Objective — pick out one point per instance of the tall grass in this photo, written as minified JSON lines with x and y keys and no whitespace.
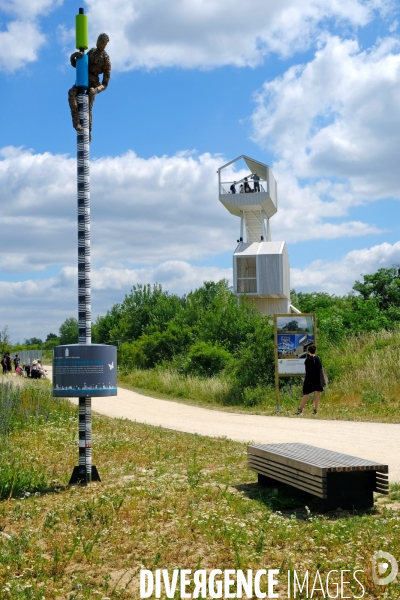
{"x":365,"y":363}
{"x":20,"y":406}
{"x":207,"y":390}
{"x":26,"y":409}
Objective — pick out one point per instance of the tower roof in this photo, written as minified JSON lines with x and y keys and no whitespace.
{"x":255,"y":166}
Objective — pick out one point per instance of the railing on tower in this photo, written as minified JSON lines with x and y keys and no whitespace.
{"x":225,"y":187}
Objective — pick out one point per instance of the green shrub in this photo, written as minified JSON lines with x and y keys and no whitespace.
{"x":155,"y":348}
{"x":253,"y":396}
{"x":255,"y":361}
{"x":207,"y":359}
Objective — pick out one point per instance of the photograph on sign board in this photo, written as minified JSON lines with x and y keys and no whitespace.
{"x":294,"y":345}
{"x":286,"y":343}
{"x":295,"y":324}
{"x":303,"y":342}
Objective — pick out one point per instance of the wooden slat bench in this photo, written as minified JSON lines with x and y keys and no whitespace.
{"x":339,"y":480}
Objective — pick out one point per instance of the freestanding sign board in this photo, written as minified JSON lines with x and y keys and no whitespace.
{"x":294,"y":333}
{"x":83,"y":370}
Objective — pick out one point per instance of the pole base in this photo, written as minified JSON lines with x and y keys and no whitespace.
{"x":79,"y":476}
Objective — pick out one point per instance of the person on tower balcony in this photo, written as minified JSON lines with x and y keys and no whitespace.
{"x":233,"y":188}
{"x":247,"y":188}
{"x":256,"y":180}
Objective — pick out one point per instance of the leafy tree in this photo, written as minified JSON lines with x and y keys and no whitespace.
{"x":366,"y":315}
{"x":147,"y":308}
{"x":331,"y":314}
{"x":5,"y":341}
{"x":292,"y":326}
{"x":154,"y":348}
{"x":104,"y":326}
{"x":384,"y":285}
{"x":51,"y":344}
{"x":52,"y":340}
{"x":33,"y":341}
{"x":215,"y":312}
{"x":69,"y":331}
{"x":51,"y":336}
{"x":255,"y":361}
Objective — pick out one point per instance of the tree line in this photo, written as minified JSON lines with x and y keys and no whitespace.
{"x":207,"y":331}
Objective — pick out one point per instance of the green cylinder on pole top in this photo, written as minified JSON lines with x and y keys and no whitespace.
{"x":82,"y":30}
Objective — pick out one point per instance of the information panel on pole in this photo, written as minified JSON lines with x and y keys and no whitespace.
{"x":294,"y":334}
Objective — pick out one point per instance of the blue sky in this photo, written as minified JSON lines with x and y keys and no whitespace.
{"x":310,"y":88}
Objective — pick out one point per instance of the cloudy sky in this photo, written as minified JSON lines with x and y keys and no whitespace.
{"x":311,"y":88}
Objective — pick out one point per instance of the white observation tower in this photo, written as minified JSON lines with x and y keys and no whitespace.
{"x":261,"y":269}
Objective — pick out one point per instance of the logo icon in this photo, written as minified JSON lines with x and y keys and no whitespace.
{"x":111,"y":366}
{"x":379,"y":568}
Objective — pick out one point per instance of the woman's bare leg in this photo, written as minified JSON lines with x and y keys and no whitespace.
{"x":303,"y":401}
{"x":316,"y":400}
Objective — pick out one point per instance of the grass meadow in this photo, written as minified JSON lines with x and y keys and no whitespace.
{"x":167,"y":500}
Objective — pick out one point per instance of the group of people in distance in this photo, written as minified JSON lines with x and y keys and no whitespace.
{"x":6,"y":363}
{"x":244,"y":187}
{"x":36,"y":370}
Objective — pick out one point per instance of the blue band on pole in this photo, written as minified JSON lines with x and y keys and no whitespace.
{"x":82,"y":72}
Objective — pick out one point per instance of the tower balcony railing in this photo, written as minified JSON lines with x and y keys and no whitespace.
{"x":241,"y":188}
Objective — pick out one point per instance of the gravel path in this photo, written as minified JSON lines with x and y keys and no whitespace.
{"x":375,"y":441}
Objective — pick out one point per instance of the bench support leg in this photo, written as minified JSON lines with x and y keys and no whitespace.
{"x":350,"y":490}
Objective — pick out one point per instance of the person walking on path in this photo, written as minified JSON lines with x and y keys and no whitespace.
{"x":312,"y":381}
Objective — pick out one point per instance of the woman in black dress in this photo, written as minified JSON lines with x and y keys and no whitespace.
{"x":312,"y":381}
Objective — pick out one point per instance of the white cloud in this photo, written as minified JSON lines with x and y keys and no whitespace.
{"x":21,"y":38}
{"x":14,"y":54}
{"x":332,"y":124}
{"x":142,"y":211}
{"x":29,"y":9}
{"x":338,"y":276}
{"x":38,"y":307}
{"x":303,"y":213}
{"x":205,"y":34}
{"x":337,"y":117}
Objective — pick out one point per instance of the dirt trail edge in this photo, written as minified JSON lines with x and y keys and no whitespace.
{"x":375,"y":441}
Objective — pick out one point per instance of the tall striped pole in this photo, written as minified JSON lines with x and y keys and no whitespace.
{"x":84,"y":475}
{"x":84,"y":291}
{"x":83,"y":370}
